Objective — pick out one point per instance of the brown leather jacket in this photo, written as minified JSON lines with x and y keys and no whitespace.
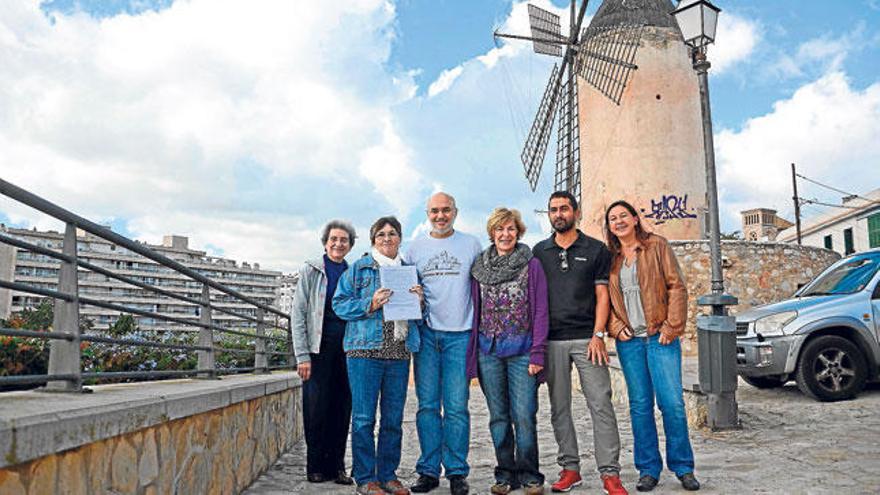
{"x":663,"y":292}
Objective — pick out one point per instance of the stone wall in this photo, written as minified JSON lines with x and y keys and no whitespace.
{"x":755,"y":272}
{"x":219,"y":451}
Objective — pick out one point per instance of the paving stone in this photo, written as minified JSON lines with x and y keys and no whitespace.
{"x":788,"y":444}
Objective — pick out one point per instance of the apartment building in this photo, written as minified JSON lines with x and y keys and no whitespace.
{"x":42,"y":271}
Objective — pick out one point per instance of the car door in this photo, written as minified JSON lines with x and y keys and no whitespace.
{"x":875,"y":306}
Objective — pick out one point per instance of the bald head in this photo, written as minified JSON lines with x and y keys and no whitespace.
{"x":441,"y":194}
{"x":441,"y":213}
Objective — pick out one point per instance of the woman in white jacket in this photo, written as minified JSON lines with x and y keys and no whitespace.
{"x":320,"y":360}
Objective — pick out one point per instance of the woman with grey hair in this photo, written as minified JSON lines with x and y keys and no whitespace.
{"x":320,"y":361}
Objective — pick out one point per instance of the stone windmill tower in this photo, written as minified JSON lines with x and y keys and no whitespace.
{"x":648,"y":149}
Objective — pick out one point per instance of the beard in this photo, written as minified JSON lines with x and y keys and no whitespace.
{"x":562,"y":225}
{"x":442,"y":231}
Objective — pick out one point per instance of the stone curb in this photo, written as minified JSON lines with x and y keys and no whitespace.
{"x":34,"y":424}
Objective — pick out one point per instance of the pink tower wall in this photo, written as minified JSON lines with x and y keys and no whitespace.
{"x":648,"y":150}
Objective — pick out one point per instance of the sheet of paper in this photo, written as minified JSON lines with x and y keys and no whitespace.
{"x":403,"y":305}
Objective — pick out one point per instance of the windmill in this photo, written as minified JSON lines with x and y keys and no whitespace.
{"x":602,"y":56}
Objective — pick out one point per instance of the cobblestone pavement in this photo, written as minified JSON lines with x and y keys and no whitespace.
{"x":788,"y":444}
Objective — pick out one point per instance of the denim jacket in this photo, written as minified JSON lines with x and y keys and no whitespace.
{"x":352,"y":303}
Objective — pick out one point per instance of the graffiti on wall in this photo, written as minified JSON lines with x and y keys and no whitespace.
{"x":669,"y":207}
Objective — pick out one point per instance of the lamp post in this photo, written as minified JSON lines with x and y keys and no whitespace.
{"x":716,"y":332}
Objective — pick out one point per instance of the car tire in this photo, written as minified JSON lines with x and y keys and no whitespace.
{"x":764,"y":381}
{"x":831,"y":368}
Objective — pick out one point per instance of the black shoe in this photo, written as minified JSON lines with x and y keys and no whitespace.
{"x":425,"y":484}
{"x":316,"y":478}
{"x":458,"y":485}
{"x":342,"y":478}
{"x":689,"y":482}
{"x":646,"y":483}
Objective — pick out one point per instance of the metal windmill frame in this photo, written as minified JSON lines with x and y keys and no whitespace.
{"x":603,"y":57}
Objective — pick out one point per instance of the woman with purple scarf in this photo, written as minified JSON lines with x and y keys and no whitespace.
{"x":506,"y":350}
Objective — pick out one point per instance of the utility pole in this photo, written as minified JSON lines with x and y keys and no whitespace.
{"x":797,"y":203}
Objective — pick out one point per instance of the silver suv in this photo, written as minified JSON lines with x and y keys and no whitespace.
{"x":825,"y":336}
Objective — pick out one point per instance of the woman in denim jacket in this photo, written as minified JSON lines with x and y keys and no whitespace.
{"x":378,"y":355}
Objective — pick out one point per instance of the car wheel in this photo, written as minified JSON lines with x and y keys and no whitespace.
{"x":764,"y":381}
{"x":831,"y":368}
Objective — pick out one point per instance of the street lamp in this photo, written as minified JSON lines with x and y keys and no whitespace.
{"x":716,"y":332}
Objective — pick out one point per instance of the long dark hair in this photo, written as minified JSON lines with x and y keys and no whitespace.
{"x":613,"y":241}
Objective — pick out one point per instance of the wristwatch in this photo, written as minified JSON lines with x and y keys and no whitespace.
{"x":601,"y":335}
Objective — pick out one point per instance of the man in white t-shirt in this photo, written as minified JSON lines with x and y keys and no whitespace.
{"x":443,"y":259}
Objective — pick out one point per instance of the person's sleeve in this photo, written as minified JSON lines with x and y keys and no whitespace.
{"x":298,"y":319}
{"x":540,"y":312}
{"x":346,"y":303}
{"x":603,"y":266}
{"x":473,"y":342}
{"x":676,"y":290}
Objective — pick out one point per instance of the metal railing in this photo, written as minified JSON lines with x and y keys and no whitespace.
{"x":65,"y":355}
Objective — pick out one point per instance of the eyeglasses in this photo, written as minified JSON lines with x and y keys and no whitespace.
{"x":446,"y":211}
{"x":390,"y":235}
{"x":340,"y":240}
{"x":563,"y":260}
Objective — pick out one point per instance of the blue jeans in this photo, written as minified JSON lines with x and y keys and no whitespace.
{"x":654,"y":370}
{"x":441,"y":382}
{"x":382,"y":381}
{"x":512,"y":397}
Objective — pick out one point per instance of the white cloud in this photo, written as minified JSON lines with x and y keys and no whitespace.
{"x":828,"y":128}
{"x":736,"y":40}
{"x":444,"y":81}
{"x":164,"y":119}
{"x":822,"y":54}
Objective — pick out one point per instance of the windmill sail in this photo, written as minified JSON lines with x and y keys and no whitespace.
{"x":539,"y":136}
{"x":545,"y":25}
{"x":605,"y":59}
{"x":568,"y":153}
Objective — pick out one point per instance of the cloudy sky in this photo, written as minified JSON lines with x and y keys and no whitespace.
{"x":247,"y":124}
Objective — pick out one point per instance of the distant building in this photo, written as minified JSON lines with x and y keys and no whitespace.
{"x":851,"y":229}
{"x":762,"y":224}
{"x":284,"y":293}
{"x":38,"y":270}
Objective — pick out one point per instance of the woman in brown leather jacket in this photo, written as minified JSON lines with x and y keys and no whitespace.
{"x":649,"y":310}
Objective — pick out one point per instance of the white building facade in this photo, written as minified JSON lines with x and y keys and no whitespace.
{"x":848,"y":230}
{"x":38,"y":270}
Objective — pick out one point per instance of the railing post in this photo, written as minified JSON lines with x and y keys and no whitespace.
{"x":261,"y":362}
{"x":206,"y":337}
{"x":64,"y":355}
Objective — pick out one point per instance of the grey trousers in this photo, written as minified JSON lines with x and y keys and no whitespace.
{"x":596,"y":385}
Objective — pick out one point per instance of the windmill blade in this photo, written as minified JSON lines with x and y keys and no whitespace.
{"x":568,"y":153}
{"x":606,"y":55}
{"x":545,"y":25}
{"x":535,"y":148}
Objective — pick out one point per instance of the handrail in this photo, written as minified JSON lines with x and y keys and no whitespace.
{"x":65,"y":371}
{"x":12,"y":241}
{"x":51,"y":209}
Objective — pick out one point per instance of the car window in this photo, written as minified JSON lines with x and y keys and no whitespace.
{"x":845,"y":277}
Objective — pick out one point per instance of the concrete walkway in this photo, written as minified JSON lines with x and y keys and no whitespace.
{"x":788,"y":444}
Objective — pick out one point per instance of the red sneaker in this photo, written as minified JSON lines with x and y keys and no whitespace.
{"x":568,"y":479}
{"x":612,"y":485}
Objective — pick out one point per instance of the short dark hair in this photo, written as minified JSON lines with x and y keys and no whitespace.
{"x":381,"y":223}
{"x":341,"y":225}
{"x":564,"y":194}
